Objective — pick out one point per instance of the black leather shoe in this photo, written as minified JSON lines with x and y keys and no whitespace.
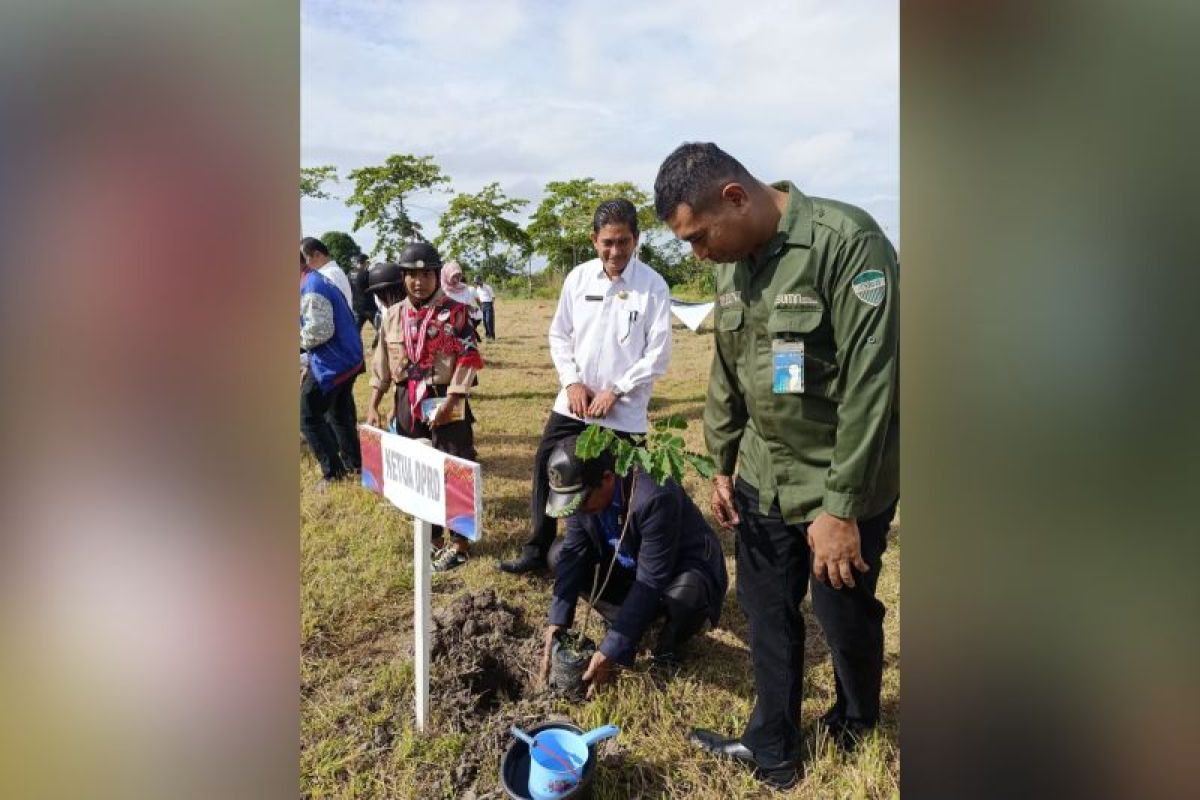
{"x":526,"y":562}
{"x":845,"y":734}
{"x":722,"y":746}
{"x":781,"y":778}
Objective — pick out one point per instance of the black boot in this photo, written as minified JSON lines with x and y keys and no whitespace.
{"x":526,"y":562}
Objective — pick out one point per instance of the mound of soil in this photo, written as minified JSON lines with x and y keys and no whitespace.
{"x":485,"y":658}
{"x":483,"y":654}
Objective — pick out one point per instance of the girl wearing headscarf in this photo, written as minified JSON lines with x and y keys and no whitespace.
{"x":455,"y":287}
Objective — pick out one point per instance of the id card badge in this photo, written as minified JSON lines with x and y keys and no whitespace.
{"x":788,"y":361}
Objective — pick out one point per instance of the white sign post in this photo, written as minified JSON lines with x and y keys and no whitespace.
{"x":422,"y":617}
{"x":437,"y":489}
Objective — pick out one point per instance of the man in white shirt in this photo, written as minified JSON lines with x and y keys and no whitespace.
{"x":316,"y":256}
{"x":486,"y":296}
{"x":610,"y":339}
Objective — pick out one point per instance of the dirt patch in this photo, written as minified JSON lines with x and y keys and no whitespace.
{"x":485,"y":657}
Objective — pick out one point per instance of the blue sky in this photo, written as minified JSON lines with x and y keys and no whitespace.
{"x":525,"y":92}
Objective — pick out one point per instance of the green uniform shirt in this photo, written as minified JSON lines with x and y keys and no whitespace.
{"x":827,"y":279}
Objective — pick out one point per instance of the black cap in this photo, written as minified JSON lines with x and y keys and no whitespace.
{"x":420,"y":255}
{"x":571,"y":478}
{"x":384,"y":275}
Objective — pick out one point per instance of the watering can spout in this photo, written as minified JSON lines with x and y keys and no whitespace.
{"x":599,"y":734}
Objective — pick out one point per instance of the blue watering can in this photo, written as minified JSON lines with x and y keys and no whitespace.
{"x":558,"y":758}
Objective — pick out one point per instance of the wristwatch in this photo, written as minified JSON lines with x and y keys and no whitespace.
{"x":617,"y":393}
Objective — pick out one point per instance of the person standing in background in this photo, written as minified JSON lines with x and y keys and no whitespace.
{"x":333,"y":358}
{"x":456,"y":289}
{"x":610,"y":339}
{"x":486,"y":296}
{"x":316,"y":256}
{"x":362,"y":304}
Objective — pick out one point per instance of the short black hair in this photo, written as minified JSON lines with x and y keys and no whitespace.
{"x":309,"y":245}
{"x":594,"y":468}
{"x":359,"y":259}
{"x":694,"y":174}
{"x":615,"y":212}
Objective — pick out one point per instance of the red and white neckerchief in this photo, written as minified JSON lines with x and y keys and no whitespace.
{"x":415,"y":336}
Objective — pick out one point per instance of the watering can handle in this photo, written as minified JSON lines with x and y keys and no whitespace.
{"x":522,"y":735}
{"x":603,"y":732}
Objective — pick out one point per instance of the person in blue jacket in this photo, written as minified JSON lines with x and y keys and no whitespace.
{"x":331,"y":340}
{"x":668,"y":565}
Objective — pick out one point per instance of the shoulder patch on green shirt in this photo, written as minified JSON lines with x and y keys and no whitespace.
{"x":870,"y":286}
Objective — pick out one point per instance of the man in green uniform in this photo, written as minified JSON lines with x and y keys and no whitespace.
{"x":802,"y":406}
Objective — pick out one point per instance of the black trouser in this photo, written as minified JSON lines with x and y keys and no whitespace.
{"x":773,"y":569}
{"x":363,"y":317}
{"x":329,"y":423}
{"x":453,"y":438}
{"x":687,"y":600}
{"x":545,"y":528}
{"x":489,"y":319}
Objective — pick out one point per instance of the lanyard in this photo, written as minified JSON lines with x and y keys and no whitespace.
{"x":415,"y":345}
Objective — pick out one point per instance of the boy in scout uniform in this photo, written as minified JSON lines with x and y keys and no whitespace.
{"x":802,"y":409}
{"x":429,"y":351}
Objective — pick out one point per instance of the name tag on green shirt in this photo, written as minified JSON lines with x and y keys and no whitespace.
{"x":788,"y":361}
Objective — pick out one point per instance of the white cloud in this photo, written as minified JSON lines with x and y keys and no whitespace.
{"x":528,"y":92}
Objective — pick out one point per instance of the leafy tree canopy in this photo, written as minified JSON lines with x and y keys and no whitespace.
{"x":561,"y":228}
{"x":311,"y":179}
{"x":672,"y":259}
{"x":381,"y":193}
{"x":476,"y":231}
{"x":342,"y":247}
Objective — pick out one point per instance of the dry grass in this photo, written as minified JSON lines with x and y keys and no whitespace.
{"x":357,"y":738}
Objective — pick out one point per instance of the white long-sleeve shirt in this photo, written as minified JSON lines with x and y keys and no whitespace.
{"x":337,"y":276}
{"x":612,"y":335}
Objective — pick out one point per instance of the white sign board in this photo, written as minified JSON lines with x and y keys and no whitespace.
{"x":427,"y":483}
{"x":413,"y":479}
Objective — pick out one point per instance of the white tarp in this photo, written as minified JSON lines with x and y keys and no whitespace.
{"x":691,"y":314}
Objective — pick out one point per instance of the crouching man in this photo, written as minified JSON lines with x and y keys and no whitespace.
{"x":669,"y":564}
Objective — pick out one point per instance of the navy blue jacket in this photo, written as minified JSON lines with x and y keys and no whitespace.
{"x":667,"y":536}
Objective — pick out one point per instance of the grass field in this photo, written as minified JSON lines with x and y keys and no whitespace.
{"x":356,"y":694}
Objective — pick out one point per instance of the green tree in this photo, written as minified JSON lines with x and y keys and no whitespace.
{"x":672,"y":259}
{"x":561,"y":228}
{"x":380,"y":194}
{"x":475,"y":230}
{"x":342,"y":247}
{"x":311,"y":179}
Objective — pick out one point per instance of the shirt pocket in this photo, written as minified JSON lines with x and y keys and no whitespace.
{"x":631,"y":320}
{"x":396,"y":360}
{"x":729,"y":320}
